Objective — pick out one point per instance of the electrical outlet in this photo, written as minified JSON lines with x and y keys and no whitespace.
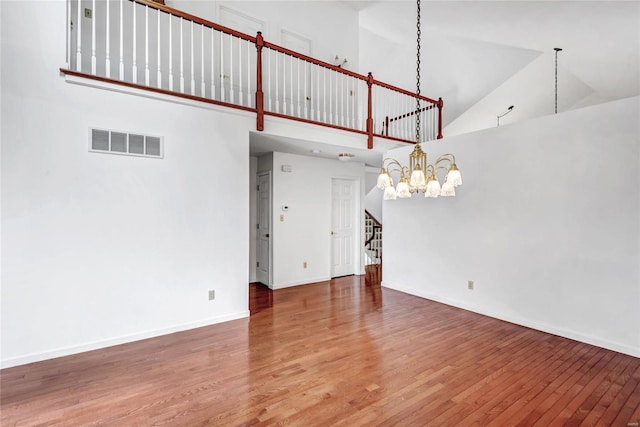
{"x":87,"y":12}
{"x":304,"y":264}
{"x":470,"y":285}
{"x":281,"y":218}
{"x":212,"y":294}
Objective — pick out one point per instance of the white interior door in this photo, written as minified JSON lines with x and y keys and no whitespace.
{"x":263,"y":243}
{"x":343,"y":228}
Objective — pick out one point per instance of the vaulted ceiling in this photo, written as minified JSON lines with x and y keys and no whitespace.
{"x":483,"y":56}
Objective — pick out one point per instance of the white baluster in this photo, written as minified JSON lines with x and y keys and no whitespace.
{"x":299,"y":91}
{"x":159,"y":73}
{"x":249,"y":98}
{"x":324,"y":92}
{"x":203,"y":90}
{"x":213,"y":69}
{"x":277,"y":83}
{"x":79,"y":38}
{"x":121,"y":68}
{"x":134,"y":68}
{"x":93,"y":39}
{"x":222,"y":90}
{"x":317,"y":101}
{"x":146,"y":45}
{"x":231,"y":73}
{"x":270,"y":52}
{"x":69,"y":35}
{"x":193,"y":77}
{"x":331,"y":72}
{"x":181,"y":55}
{"x":240,"y":91}
{"x":170,"y":52}
{"x":107,"y":59}
{"x":342,"y":95}
{"x":284,"y":84}
{"x":291,"y":106}
{"x":348,"y":95}
{"x":306,"y":97}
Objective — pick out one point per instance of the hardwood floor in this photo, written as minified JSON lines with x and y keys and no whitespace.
{"x":334,"y":353}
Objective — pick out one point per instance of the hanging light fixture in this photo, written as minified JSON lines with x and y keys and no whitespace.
{"x":419,"y":176}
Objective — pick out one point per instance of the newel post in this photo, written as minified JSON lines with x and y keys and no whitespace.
{"x":259,"y":93}
{"x":369,"y":112}
{"x":440,"y":104}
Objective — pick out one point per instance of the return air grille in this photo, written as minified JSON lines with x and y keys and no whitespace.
{"x":109,"y":141}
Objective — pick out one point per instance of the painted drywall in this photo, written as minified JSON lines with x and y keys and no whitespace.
{"x":304,"y":19}
{"x":99,"y":249}
{"x":373,"y":195}
{"x":305,"y":232}
{"x":547,"y":225}
{"x":253,"y":215}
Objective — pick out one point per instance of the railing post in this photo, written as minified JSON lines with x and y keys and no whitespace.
{"x":369,"y":112}
{"x":440,"y":104}
{"x":259,"y":93}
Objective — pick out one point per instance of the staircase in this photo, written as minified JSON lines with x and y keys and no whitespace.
{"x":373,"y":249}
{"x":373,"y":239}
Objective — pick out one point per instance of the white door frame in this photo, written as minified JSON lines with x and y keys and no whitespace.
{"x":270,"y":231}
{"x":358,"y":221}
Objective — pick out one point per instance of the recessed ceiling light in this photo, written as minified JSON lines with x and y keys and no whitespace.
{"x":316,"y":151}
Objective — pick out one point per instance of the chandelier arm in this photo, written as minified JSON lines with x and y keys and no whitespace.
{"x":391,"y":162}
{"x":446,"y":157}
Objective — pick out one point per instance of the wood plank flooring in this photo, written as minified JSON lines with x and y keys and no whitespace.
{"x":340,"y":353}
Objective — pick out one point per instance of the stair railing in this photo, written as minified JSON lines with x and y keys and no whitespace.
{"x":373,"y":239}
{"x":146,"y":45}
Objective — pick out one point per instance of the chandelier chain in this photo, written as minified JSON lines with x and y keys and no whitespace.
{"x":418,"y":34}
{"x":556,"y":76}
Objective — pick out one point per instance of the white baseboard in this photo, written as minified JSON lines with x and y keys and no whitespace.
{"x":95,"y":345}
{"x":551,"y":329}
{"x":306,"y":282}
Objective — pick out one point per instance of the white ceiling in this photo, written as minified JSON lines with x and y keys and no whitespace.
{"x":483,"y":56}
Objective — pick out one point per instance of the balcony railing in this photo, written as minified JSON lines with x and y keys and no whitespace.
{"x":147,"y":45}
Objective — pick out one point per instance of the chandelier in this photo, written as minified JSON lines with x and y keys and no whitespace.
{"x":419,"y":176}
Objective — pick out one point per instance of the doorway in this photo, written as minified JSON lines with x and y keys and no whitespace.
{"x":343,"y":227}
{"x":263,"y":237}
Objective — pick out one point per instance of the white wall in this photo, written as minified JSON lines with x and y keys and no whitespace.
{"x":309,"y":19}
{"x":253,"y":215}
{"x":547,"y":224}
{"x":373,"y":195}
{"x":100,"y":249}
{"x":305,"y":233}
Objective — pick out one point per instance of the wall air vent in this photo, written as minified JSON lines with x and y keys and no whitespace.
{"x":131,"y":144}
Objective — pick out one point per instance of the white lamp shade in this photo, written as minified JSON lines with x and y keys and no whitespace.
{"x":448,"y":190}
{"x":389,"y":193}
{"x":454,"y":177}
{"x":417,"y":179}
{"x":383,"y":180}
{"x":433,"y":188}
{"x":403,"y":189}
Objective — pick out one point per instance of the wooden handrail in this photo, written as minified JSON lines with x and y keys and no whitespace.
{"x":370,"y":239}
{"x":259,"y":109}
{"x":313,"y":60}
{"x":196,"y":19}
{"x":413,"y":113}
{"x":403,"y":91}
{"x":373,"y":218}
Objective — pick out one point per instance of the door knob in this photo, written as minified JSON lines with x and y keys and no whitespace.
{"x":266,"y":235}
{"x":333,"y":234}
